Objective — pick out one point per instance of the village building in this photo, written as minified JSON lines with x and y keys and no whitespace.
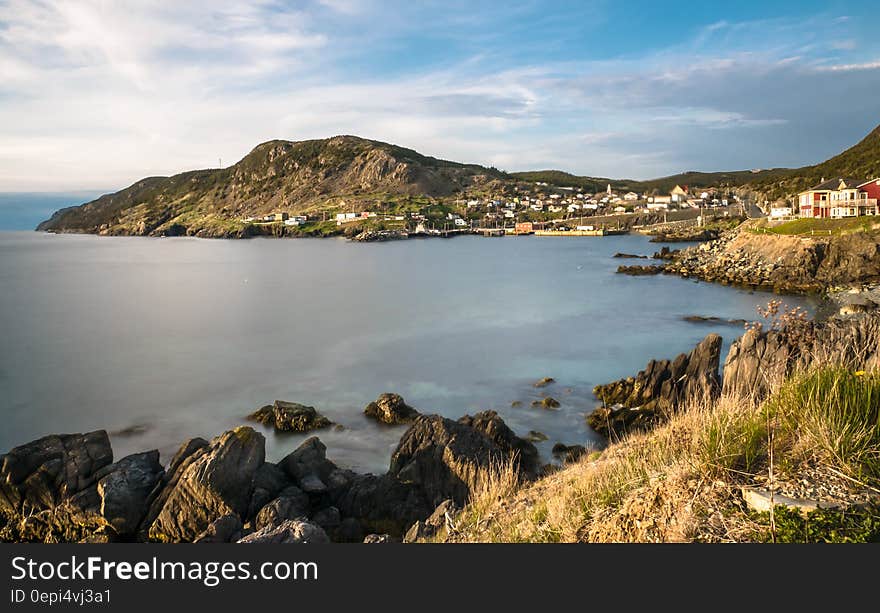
{"x":839,"y":198}
{"x":630,"y":196}
{"x":679,"y":193}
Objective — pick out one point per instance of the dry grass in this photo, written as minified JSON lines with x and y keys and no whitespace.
{"x":680,"y":482}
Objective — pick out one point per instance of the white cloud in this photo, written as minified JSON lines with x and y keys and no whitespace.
{"x":98,"y":94}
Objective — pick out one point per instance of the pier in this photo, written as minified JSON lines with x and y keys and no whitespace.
{"x":598,"y":232}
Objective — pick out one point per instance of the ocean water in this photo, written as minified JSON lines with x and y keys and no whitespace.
{"x":158,"y":340}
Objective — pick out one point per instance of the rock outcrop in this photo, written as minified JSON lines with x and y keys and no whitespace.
{"x":441,"y":456}
{"x":786,"y":264}
{"x":391,"y":409}
{"x":759,"y":361}
{"x":49,"y":488}
{"x":211,"y":482}
{"x":290,"y":417}
{"x":641,"y":401}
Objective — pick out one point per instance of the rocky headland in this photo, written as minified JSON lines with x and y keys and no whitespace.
{"x":781,"y":263}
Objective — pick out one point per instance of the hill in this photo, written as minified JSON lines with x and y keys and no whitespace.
{"x":339,"y":173}
{"x":862,"y":161}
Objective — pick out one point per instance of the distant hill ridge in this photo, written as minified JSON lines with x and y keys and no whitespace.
{"x":347,"y":172}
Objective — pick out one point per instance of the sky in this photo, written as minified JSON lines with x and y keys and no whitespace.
{"x":97,"y":94}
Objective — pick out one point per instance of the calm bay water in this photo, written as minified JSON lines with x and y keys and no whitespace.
{"x":179,"y":337}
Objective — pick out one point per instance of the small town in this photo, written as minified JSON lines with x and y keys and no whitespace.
{"x":548,"y":210}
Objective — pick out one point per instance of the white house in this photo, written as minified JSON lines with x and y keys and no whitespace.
{"x":781,"y":212}
{"x":630,"y":196}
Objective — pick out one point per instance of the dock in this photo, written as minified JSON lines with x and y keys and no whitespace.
{"x":599,"y":232}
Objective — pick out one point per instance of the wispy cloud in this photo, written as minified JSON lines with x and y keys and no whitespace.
{"x":97,"y":94}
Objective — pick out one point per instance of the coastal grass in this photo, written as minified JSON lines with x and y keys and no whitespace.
{"x":681,"y":480}
{"x":821,"y":227}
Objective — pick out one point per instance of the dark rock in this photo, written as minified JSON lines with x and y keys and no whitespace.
{"x":382,"y":503}
{"x":269,"y":480}
{"x":516,"y":403}
{"x":630,"y":256}
{"x":569,"y":453}
{"x":666,"y":254}
{"x":491,"y":424}
{"x":545,"y":382}
{"x":638,"y":271}
{"x":125,"y":490}
{"x":349,"y":531}
{"x":440,"y":455}
{"x":546,"y":403}
{"x":391,"y":409}
{"x":328,"y":518}
{"x":225,"y":529}
{"x":292,"y":503}
{"x":214,"y":481}
{"x":638,"y":402}
{"x":290,"y":531}
{"x":48,"y":488}
{"x":308,"y":466}
{"x":536,"y":437}
{"x":41,"y":474}
{"x":433,"y":525}
{"x":290,"y":417}
{"x":699,"y":319}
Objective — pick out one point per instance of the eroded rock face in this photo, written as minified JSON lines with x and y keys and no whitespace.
{"x":41,"y":474}
{"x":211,"y":482}
{"x":391,"y":409}
{"x":48,"y":488}
{"x":440,"y":455}
{"x":759,"y":362}
{"x":126,"y":489}
{"x":290,"y":417}
{"x":639,"y":402}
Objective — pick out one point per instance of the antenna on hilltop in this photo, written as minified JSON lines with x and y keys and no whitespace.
{"x":220,"y":161}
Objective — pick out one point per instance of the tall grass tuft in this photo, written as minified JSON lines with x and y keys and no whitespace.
{"x":834,"y":413}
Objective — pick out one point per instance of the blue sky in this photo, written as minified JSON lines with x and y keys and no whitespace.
{"x":95,"y":95}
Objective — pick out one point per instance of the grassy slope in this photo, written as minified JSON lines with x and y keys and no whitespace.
{"x":862,"y":161}
{"x":682,"y":481}
{"x":859,"y":161}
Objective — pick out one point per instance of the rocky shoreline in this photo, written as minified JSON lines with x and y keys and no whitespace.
{"x":779,"y":263}
{"x":68,"y":488}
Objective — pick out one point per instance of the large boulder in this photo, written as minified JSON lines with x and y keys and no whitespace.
{"x":48,"y":488}
{"x":290,"y":417}
{"x":391,"y":409}
{"x":41,"y":474}
{"x":126,"y":488}
{"x":639,"y":402}
{"x":308,"y":467}
{"x":211,"y":482}
{"x":522,"y":450}
{"x":442,"y":456}
{"x":289,"y":531}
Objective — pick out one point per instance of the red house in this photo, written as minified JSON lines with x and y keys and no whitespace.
{"x":840,"y":198}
